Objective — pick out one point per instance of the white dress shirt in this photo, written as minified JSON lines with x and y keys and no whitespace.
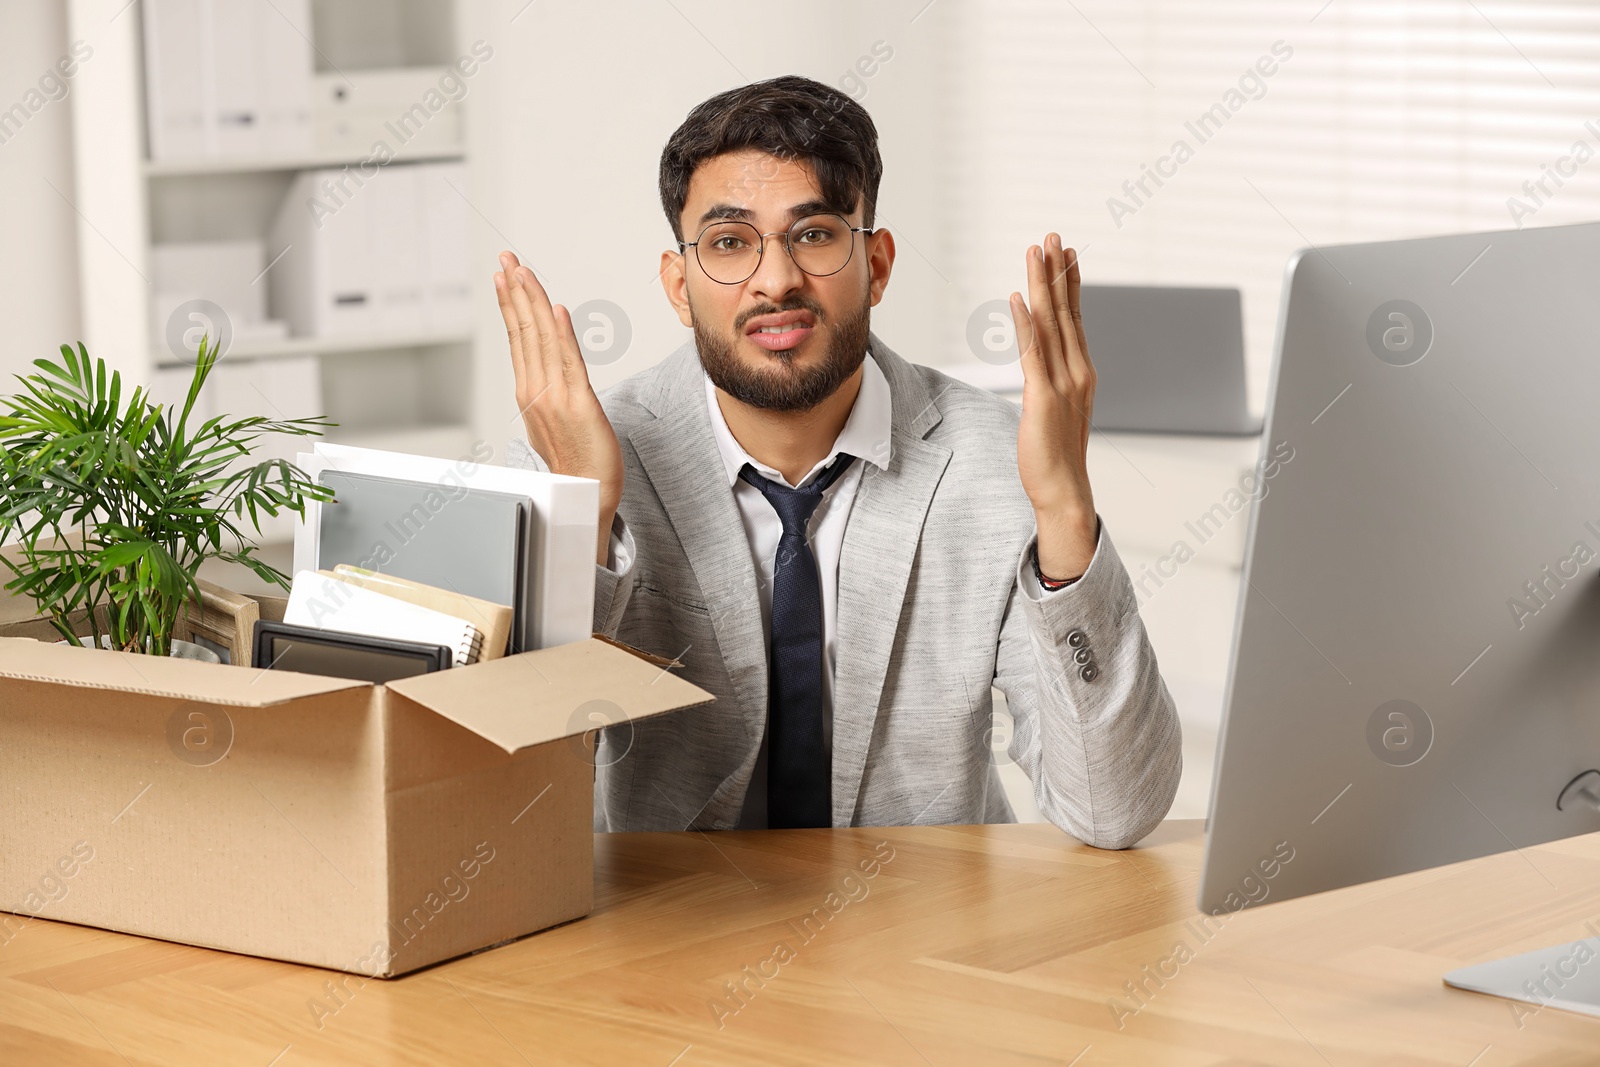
{"x":866,"y":435}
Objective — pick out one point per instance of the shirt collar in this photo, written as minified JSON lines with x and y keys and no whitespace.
{"x":866,"y":432}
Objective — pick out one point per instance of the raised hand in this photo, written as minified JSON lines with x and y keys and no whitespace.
{"x":565,"y":422}
{"x":1057,"y":400}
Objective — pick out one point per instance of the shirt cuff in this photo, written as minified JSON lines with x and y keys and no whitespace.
{"x":619,"y":554}
{"x":1030,"y":581}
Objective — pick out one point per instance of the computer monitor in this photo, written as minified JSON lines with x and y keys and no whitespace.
{"x":1416,"y":655}
{"x":1168,"y":359}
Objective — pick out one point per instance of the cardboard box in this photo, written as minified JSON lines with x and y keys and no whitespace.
{"x":366,"y":828}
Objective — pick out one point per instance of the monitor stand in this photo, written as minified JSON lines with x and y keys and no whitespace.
{"x":1565,"y":976}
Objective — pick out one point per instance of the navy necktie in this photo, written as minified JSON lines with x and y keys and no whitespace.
{"x":799,"y":766}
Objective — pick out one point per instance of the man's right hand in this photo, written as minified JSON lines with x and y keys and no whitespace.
{"x":565,"y":422}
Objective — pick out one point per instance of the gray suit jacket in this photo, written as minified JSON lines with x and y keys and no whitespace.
{"x":930,"y":614}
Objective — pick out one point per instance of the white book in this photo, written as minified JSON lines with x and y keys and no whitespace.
{"x":325,"y":603}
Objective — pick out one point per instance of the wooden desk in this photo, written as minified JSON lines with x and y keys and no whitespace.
{"x":969,"y":945}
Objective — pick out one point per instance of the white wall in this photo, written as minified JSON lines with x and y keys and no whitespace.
{"x":38,"y":238}
{"x":1387,"y":120}
{"x":568,"y":119}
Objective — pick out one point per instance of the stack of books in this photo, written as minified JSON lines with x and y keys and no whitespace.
{"x":352,"y":622}
{"x":507,"y":536}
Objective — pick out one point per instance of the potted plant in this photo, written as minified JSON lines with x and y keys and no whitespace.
{"x":115,"y":505}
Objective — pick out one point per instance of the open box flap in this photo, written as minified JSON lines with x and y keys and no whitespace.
{"x":127,"y":672}
{"x":535,"y":697}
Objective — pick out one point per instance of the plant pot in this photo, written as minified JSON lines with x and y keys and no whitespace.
{"x":180,"y":649}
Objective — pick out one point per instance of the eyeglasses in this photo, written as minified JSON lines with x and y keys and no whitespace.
{"x":730,"y":252}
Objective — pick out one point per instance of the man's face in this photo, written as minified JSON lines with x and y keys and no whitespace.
{"x":799,"y":368}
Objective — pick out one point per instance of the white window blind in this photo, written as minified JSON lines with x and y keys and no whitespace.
{"x":1387,"y":120}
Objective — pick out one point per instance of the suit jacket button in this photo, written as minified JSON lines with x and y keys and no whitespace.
{"x":1089,"y":672}
{"x":1082,"y":655}
{"x":1077,"y":638}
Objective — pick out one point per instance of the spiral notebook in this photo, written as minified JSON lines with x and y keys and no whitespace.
{"x":326,"y":603}
{"x":494,"y":620}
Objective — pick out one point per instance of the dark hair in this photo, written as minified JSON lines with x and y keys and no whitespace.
{"x":790,"y":117}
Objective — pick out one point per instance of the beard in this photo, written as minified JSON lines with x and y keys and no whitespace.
{"x":778,"y":383}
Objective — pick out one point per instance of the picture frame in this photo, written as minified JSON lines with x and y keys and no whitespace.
{"x":224,"y":622}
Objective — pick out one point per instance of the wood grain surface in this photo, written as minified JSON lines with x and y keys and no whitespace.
{"x":919,"y":945}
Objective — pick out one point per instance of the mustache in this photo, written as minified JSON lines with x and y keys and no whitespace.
{"x":772,"y":309}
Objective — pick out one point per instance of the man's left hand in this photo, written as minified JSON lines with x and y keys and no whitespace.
{"x":1057,"y":400}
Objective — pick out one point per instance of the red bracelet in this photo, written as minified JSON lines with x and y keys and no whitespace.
{"x":1049,"y":584}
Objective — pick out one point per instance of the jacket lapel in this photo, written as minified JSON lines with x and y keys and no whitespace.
{"x":680,"y":457}
{"x":880,"y":543}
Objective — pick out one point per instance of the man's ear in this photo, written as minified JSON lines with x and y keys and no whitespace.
{"x":880,"y":261}
{"x":675,"y":283}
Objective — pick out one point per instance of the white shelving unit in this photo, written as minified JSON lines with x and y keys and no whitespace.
{"x":408,"y":392}
{"x":328,"y":347}
{"x":311,"y":161}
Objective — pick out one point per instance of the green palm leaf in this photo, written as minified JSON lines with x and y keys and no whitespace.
{"x":114,"y":501}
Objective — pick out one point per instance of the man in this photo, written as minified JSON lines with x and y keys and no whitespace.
{"x":846,"y":548}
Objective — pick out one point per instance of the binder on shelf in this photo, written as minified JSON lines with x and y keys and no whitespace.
{"x":326,"y":603}
{"x":396,"y":224}
{"x":284,"y":75}
{"x":176,"y":88}
{"x":380,"y":254}
{"x":443,"y":192}
{"x":238,"y":99}
{"x":323,"y":284}
{"x":228,"y":78}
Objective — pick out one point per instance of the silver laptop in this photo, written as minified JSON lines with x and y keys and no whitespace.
{"x":1169,"y":359}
